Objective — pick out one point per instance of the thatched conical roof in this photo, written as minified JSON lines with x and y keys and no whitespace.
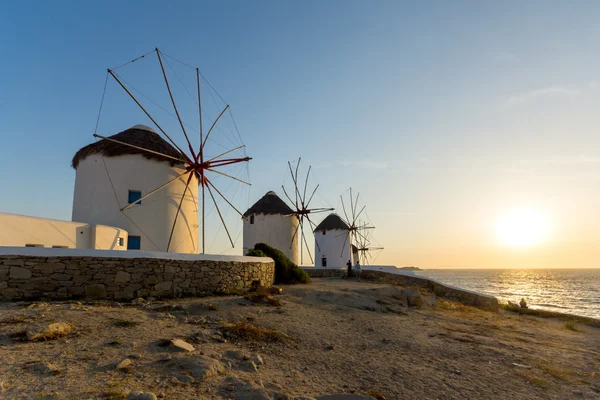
{"x":270,"y":203}
{"x":139,"y":135}
{"x":331,"y":222}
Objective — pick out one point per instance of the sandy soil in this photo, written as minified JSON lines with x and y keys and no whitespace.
{"x":339,"y":337}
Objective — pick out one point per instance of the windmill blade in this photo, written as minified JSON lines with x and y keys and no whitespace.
{"x":174,"y":105}
{"x":306,"y":184}
{"x":307,"y":249}
{"x":224,"y":198}
{"x":178,"y":210}
{"x":313,"y":227}
{"x":148,"y":114}
{"x":289,"y":198}
{"x":154,"y":191}
{"x":361,"y":210}
{"x":319,"y":210}
{"x":344,"y":208}
{"x":181,"y":160}
{"x":356,"y":206}
{"x":227,"y":175}
{"x":294,"y":179}
{"x":212,"y":126}
{"x":220,"y":216}
{"x":344,"y":246}
{"x":351,"y":207}
{"x":311,"y":196}
{"x":227,"y":152}
{"x":295,"y":233}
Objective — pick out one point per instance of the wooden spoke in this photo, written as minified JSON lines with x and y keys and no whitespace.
{"x":311,"y":196}
{"x":361,"y":210}
{"x":295,"y":186}
{"x":178,"y":210}
{"x":224,"y":198}
{"x":351,"y":209}
{"x":307,"y":249}
{"x":213,"y":125}
{"x":344,"y":208}
{"x":356,"y":207}
{"x":220,"y":216}
{"x":306,"y":184}
{"x":148,"y":114}
{"x":139,"y":148}
{"x":289,"y":198}
{"x":173,"y":102}
{"x":154,"y":191}
{"x":229,"y":176}
{"x":296,"y":181}
{"x":344,"y":246}
{"x":313,"y":226}
{"x":201,"y":156}
{"x":227,"y":152}
{"x":319,"y":210}
{"x":295,"y":233}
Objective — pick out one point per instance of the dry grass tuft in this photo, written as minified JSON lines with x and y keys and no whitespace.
{"x":123,"y":323}
{"x":253,"y":333}
{"x":558,"y":372}
{"x":533,"y":379}
{"x":572,"y":325}
{"x":263,"y":297}
{"x":454,"y":306}
{"x":212,"y":307}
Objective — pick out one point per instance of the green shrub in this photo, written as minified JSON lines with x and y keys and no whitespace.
{"x":256,"y":253}
{"x":286,"y":272}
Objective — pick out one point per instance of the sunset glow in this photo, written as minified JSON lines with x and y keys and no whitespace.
{"x":522,"y":228}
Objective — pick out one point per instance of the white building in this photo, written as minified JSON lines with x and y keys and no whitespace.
{"x":25,"y":231}
{"x":110,"y":176}
{"x":333,"y":243}
{"x":273,"y":222}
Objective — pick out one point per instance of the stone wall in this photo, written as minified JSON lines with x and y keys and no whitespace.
{"x":444,"y":291}
{"x":115,"y":278}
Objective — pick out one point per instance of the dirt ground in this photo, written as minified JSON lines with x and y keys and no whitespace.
{"x":331,"y":336}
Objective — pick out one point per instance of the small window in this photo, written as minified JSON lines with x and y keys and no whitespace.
{"x":324,"y":232}
{"x":121,"y":242}
{"x":323,"y":262}
{"x":134,"y":243}
{"x":59,"y":247}
{"x":134,"y":196}
{"x":251,"y":219}
{"x":34,"y":245}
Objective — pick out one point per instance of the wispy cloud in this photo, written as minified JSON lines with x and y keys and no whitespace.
{"x":535,"y":94}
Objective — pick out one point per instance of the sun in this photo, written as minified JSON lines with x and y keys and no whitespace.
{"x":522,"y":228}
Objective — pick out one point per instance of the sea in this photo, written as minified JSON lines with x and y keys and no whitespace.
{"x":572,"y":291}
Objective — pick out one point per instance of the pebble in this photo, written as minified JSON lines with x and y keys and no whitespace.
{"x":181,"y":345}
{"x":258,"y":360}
{"x":125,"y":364}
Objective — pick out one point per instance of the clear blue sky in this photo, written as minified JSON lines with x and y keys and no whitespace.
{"x":444,"y":115}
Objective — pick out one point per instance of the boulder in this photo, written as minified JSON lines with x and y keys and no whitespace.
{"x":257,"y":359}
{"x":125,"y":364}
{"x":200,"y":367}
{"x":48,"y":332}
{"x":413,"y":297}
{"x":141,"y":396}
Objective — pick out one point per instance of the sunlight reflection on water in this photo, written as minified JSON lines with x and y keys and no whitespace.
{"x":575,"y":291}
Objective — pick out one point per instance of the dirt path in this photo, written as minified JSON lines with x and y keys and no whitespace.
{"x":331,"y":336}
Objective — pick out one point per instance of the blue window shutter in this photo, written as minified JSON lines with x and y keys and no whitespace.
{"x":134,"y":242}
{"x":135,"y":195}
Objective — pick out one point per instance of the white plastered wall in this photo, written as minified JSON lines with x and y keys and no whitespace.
{"x":276,"y":230}
{"x":21,"y":230}
{"x":94,"y":200}
{"x":335,"y":246}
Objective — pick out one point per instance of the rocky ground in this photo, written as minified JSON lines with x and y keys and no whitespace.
{"x":329,"y":337}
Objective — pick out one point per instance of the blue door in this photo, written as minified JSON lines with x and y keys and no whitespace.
{"x":134,"y":243}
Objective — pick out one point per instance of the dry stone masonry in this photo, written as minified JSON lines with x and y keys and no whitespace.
{"x":34,"y":277}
